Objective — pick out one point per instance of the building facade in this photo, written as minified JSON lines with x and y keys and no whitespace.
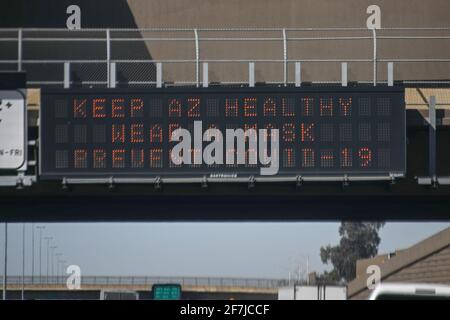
{"x":426,"y":262}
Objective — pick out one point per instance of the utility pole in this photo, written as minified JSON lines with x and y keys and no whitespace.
{"x":5,"y":271}
{"x":40,"y":228}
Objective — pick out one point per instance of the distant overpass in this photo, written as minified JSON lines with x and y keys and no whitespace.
{"x":193,"y":287}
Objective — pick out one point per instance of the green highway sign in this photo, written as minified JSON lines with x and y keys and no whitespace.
{"x":166,"y":292}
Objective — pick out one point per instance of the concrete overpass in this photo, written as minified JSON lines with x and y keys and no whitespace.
{"x":192,"y":287}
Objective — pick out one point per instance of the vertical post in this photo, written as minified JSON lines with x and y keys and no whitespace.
{"x":432,"y":140}
{"x":344,"y":76}
{"x":23,"y":261}
{"x":5,"y":270}
{"x":108,"y":56}
{"x":66,"y":75}
{"x":32,"y":253}
{"x":40,"y":252}
{"x":285,"y":57}
{"x":251,"y":74}
{"x":48,"y":259}
{"x":298,"y":74}
{"x":19,"y":49}
{"x":48,"y":256}
{"x":58,"y":255}
{"x":159,"y":75}
{"x":205,"y":75}
{"x":61,"y":266}
{"x":60,"y":279}
{"x":374,"y":33}
{"x":112,"y":75}
{"x":53,"y":263}
{"x":390,"y":74}
{"x":197,"y":59}
{"x":307,"y":270}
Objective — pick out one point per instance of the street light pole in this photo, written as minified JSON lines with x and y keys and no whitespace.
{"x":32,"y":253}
{"x":53,"y":261}
{"x":40,"y":228}
{"x":23,"y":261}
{"x":48,"y":254}
{"x":58,"y":255}
{"x":5,"y":272}
{"x":60,"y":269}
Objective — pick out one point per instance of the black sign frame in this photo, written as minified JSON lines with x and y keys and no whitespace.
{"x":397,"y":92}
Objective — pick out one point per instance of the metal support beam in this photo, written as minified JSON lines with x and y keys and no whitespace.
{"x":285,"y":57}
{"x":108,"y":56}
{"x":298,"y":74}
{"x":23,"y":262}
{"x":159,"y":76}
{"x":295,"y":179}
{"x":11,"y":181}
{"x":19,"y":49}
{"x":432,"y":141}
{"x":205,"y":77}
{"x":112,"y":75}
{"x":5,"y":270}
{"x":390,"y":74}
{"x":251,"y":74}
{"x":374,"y":33}
{"x":66,"y":75}
{"x":344,"y":76}
{"x":197,"y":58}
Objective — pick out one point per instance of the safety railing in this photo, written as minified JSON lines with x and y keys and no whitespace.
{"x":199,"y":57}
{"x":147,"y":281}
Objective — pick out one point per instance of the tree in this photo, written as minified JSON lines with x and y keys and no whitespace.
{"x":359,"y":240}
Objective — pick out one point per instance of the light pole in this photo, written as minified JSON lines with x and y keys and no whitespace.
{"x":64,"y":269}
{"x":5,"y":271}
{"x":60,"y":269}
{"x":32,"y":253}
{"x":48,"y":254}
{"x":23,"y":261}
{"x":40,"y":228}
{"x":53,"y":259}
{"x":57,"y":255}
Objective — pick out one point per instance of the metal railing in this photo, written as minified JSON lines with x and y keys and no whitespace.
{"x":91,"y":53}
{"x":148,"y":281}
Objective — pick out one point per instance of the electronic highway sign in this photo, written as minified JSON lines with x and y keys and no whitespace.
{"x":12,"y":130}
{"x":222,"y":132}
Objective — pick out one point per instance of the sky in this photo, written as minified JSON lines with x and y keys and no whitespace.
{"x":248,"y":250}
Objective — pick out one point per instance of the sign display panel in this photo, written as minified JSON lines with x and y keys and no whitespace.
{"x":222,"y":132}
{"x":12,"y":130}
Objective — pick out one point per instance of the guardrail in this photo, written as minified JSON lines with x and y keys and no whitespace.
{"x":147,"y":281}
{"x":134,"y":57}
